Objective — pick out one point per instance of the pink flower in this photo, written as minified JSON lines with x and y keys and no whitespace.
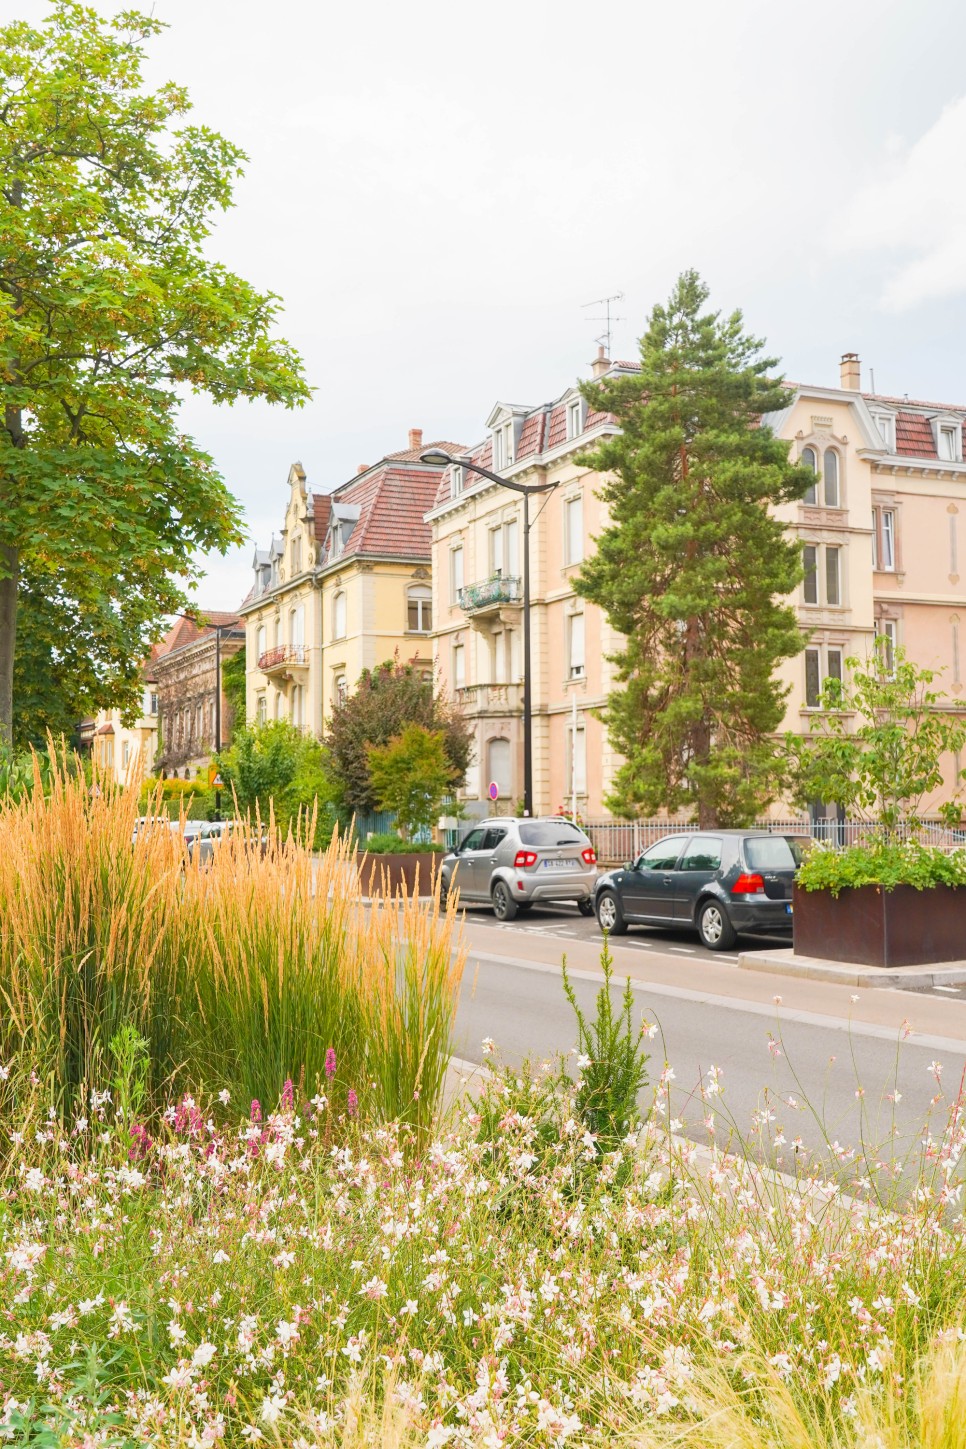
{"x":352,"y":1102}
{"x":330,"y":1063}
{"x":288,"y":1095}
{"x":256,"y":1110}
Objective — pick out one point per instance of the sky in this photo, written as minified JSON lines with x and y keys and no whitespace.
{"x":437,"y":189}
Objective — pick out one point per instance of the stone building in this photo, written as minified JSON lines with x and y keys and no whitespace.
{"x":184,"y":670}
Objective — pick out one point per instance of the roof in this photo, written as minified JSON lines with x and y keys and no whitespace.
{"x":188,"y":629}
{"x":321,"y":508}
{"x":391,"y":499}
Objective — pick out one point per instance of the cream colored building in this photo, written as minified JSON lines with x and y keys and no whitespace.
{"x":126,"y":752}
{"x":346,"y":586}
{"x":881,"y":542}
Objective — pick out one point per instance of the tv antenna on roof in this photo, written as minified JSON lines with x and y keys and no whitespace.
{"x":605,"y":302}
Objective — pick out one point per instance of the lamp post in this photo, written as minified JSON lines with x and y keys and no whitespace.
{"x":438,"y":455}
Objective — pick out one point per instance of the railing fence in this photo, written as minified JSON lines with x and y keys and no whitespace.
{"x":616,"y":841}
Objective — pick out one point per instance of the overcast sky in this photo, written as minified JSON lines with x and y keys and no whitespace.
{"x":436,"y":189}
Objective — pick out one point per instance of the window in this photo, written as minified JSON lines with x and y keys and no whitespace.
{"x":576,"y":781}
{"x":501,"y":656}
{"x":109,"y":752}
{"x":261,"y":709}
{"x":947,"y":445}
{"x":338,"y":616}
{"x":455,"y":480}
{"x":298,"y":705}
{"x":504,"y":549}
{"x":341,"y":689}
{"x":455,"y":573}
{"x":576,"y":651}
{"x":199,"y":722}
{"x":661,"y":856}
{"x":831,"y":478}
{"x":776,"y":852}
{"x":498,"y":765}
{"x":575,"y":422}
{"x":886,"y":424}
{"x":815,"y":677}
{"x":833,"y":576}
{"x":494,"y":837}
{"x":546,"y":833}
{"x":574,"y":529}
{"x":810,"y":564}
{"x":503,"y":446}
{"x":125,"y":753}
{"x":296,"y":556}
{"x":261,"y":645}
{"x":420,"y":606}
{"x":887,"y":556}
{"x":473,"y":841}
{"x":297,"y":632}
{"x":885,"y":631}
{"x":459,"y":666}
{"x":703,"y":853}
{"x":810,"y":460}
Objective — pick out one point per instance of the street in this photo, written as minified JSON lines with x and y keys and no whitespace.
{"x":839,"y":1056}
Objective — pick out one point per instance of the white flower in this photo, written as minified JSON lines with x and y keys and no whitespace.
{"x":224,"y":1096}
{"x":409,"y":1307}
{"x":489,"y":1046}
{"x":273,"y":1407}
{"x":203,"y":1355}
{"x":584,"y":1061}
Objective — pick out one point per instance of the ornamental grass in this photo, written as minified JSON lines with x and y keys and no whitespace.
{"x":239,"y":974}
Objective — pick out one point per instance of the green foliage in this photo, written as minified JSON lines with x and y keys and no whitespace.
{"x":130,"y":1053}
{"x":883,"y":863}
{"x":411,"y":776}
{"x":694,"y":569}
{"x":111,"y":306}
{"x":387,"y":843}
{"x":877,"y":748}
{"x":22,"y":770}
{"x":275,"y":766}
{"x":612,"y":1063}
{"x":385,"y":701}
{"x":233,"y":687}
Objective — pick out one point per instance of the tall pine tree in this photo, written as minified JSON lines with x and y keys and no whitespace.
{"x":695,"y":569}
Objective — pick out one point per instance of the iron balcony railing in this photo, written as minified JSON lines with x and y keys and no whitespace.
{"x":500,"y":589}
{"x":282,"y":656}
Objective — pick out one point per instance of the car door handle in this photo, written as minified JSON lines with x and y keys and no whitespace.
{"x":668,"y":879}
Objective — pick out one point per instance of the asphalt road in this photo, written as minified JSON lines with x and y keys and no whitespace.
{"x":819,"y":1077}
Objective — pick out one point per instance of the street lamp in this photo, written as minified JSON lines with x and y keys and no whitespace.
{"x":438,"y":456}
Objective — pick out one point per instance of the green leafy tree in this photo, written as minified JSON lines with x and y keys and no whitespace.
{"x":110,"y":310}
{"x":412,"y":776}
{"x":275,"y":766}
{"x":694,"y":568}
{"x":233,"y":686}
{"x":385,"y":700}
{"x":877,"y":748}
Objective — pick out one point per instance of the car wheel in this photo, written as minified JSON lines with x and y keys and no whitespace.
{"x":524,"y":908}
{"x":586,"y":908}
{"x":715,"y":928}
{"x":504,"y":906}
{"x":610,"y":917}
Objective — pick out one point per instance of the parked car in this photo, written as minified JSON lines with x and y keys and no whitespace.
{"x":723,"y":883}
{"x":512,"y":864}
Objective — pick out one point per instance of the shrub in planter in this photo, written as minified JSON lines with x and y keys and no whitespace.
{"x":890,"y":899}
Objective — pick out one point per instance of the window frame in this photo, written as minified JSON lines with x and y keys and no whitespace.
{"x":831,"y":455}
{"x":340,"y":605}
{"x":822,"y":654}
{"x":456,"y":585}
{"x":459,"y":659}
{"x":422,"y":596}
{"x":810,"y":497}
{"x":573,"y":507}
{"x":576,"y":668}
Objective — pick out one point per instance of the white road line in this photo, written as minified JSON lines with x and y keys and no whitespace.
{"x":683,"y":950}
{"x":730,"y":1003}
{"x":954,"y":989}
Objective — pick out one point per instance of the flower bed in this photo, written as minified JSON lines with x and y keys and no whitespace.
{"x":299,"y":1278}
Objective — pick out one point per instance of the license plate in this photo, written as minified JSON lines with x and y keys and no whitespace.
{"x":559,"y":864}
{"x":788,"y":907}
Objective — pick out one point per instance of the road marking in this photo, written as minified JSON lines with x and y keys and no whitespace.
{"x":684,"y":950}
{"x":947,"y":988}
{"x":730,"y":1003}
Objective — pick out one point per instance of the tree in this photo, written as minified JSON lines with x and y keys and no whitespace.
{"x":385,"y":700}
{"x":877,"y":748}
{"x":110,"y":310}
{"x":412,"y":776}
{"x":694,"y":568}
{"x":234,"y":688}
{"x":275,"y":766}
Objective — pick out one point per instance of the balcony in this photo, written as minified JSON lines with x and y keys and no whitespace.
{"x":283,"y":659}
{"x":492,"y":594}
{"x":496,"y":699}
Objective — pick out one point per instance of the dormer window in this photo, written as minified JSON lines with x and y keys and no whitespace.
{"x":886,"y":424}
{"x":503,"y":446}
{"x":456,"y":480}
{"x":575,"y":418}
{"x":947,"y":434}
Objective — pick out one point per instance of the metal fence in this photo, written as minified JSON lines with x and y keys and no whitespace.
{"x":616,"y":841}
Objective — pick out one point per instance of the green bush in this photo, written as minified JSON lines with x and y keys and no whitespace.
{"x":388,"y":843}
{"x":276,"y":770}
{"x":882,"y":864}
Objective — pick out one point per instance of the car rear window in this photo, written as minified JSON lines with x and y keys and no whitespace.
{"x":775,"y":852}
{"x":548,"y":832}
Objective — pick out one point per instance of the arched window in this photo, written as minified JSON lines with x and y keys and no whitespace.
{"x":261,"y":709}
{"x":811,"y":461}
{"x":498,"y":765}
{"x":338,"y":616}
{"x":831,"y":478}
{"x":261,"y":641}
{"x":420,"y":600}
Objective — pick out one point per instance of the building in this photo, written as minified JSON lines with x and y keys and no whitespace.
{"x":477,"y":542}
{"x":125,"y":752}
{"x":880,"y":540}
{"x":346,"y":586}
{"x":186,"y":668}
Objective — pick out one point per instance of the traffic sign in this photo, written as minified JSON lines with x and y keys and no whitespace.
{"x":494,"y":790}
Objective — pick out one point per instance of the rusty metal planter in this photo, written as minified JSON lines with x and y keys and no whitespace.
{"x":387,"y":874}
{"x":874,"y":927}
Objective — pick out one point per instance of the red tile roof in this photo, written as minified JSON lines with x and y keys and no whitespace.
{"x":392,"y":497}
{"x":322,"y":508}
{"x":914,"y":436}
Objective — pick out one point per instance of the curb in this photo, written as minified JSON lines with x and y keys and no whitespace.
{"x":847,"y":973}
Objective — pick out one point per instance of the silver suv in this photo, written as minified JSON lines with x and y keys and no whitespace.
{"x":513,"y":864}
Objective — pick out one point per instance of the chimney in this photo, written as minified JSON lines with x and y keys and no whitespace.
{"x":415,"y":439}
{"x":849,"y":372}
{"x":601,"y":362}
{"x":362,"y":467}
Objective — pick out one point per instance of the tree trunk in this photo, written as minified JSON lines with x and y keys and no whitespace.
{"x":9,"y":569}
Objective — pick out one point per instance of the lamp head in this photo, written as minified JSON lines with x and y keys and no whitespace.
{"x":437,"y":455}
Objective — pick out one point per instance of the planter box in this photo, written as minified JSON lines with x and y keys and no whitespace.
{"x":388,"y":874}
{"x":874,"y":927}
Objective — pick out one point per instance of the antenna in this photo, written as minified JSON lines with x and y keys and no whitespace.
{"x":605,"y":338}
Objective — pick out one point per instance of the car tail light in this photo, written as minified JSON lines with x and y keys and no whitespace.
{"x":589,"y":855}
{"x":524,"y":858}
{"x":748,"y":884}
